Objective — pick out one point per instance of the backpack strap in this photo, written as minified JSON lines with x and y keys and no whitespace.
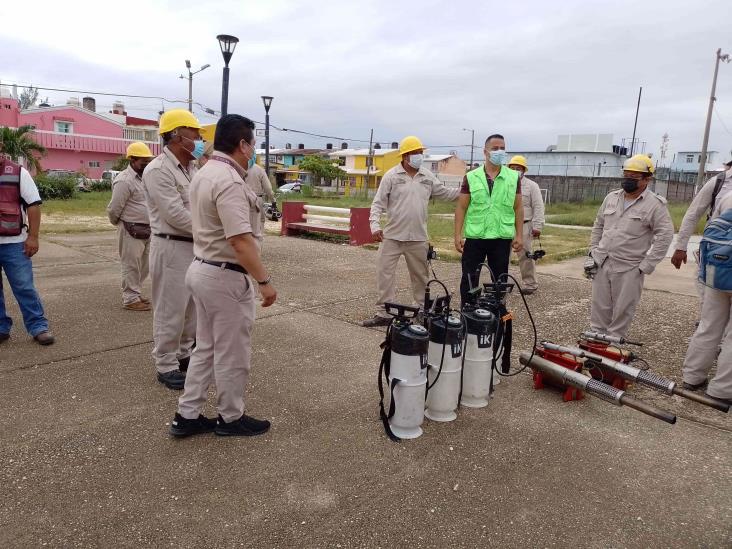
{"x":717,"y":187}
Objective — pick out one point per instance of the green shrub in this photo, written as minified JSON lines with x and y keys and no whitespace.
{"x":101,"y":185}
{"x":306,"y":190}
{"x":60,"y":188}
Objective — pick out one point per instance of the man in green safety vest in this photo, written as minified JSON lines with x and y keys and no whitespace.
{"x":489,"y":216}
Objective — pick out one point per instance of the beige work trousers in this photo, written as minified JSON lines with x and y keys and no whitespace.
{"x":225,"y":316}
{"x":174,"y":314}
{"x":415,"y":254}
{"x":527,"y":266}
{"x":134,"y":264}
{"x":615,"y":297}
{"x":713,"y":329}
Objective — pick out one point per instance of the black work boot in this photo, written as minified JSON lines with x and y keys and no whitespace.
{"x":376,"y":321}
{"x":175,"y":380}
{"x":695,"y":386}
{"x":245,"y":426}
{"x":181,"y":427}
{"x":183,"y":363}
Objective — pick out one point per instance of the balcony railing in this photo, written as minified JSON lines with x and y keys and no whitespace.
{"x":88,"y":143}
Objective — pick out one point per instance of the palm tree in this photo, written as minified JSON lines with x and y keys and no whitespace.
{"x":17,"y":143}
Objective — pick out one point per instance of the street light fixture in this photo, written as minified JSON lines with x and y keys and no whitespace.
{"x":227,"y":43}
{"x":472,"y":143}
{"x":267,"y":100}
{"x":190,"y":81}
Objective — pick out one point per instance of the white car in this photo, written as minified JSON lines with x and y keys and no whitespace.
{"x":289,"y":188}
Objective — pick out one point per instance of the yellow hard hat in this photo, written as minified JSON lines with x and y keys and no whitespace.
{"x":519,"y":160}
{"x":208,"y":132}
{"x":177,"y":118}
{"x":138,"y":150}
{"x":640,"y":163}
{"x":409,"y":144}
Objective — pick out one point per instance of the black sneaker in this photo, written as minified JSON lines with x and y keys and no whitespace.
{"x":183,"y":363}
{"x":696,"y":386}
{"x":4,"y":337}
{"x":181,"y":427}
{"x":725,"y":400}
{"x":376,"y":321}
{"x":245,"y":426}
{"x":175,"y":380}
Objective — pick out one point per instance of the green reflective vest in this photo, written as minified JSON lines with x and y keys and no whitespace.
{"x":491,"y":215}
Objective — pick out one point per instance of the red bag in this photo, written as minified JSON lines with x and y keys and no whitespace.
{"x":11,"y":210}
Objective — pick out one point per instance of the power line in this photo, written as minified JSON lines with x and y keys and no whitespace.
{"x":719,"y":117}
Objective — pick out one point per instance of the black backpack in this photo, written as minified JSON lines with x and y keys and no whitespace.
{"x":717,"y":187}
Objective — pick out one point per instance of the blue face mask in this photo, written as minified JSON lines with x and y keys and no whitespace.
{"x":252,"y":160}
{"x":198,"y":147}
{"x":498,"y":158}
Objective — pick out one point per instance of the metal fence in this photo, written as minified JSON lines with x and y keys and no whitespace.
{"x":584,"y":189}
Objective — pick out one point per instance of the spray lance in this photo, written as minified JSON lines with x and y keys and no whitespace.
{"x":631,"y":373}
{"x":593,"y":387}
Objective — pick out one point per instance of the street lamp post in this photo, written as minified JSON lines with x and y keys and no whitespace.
{"x":267,"y":100}
{"x":227,"y":43}
{"x":190,"y":81}
{"x":705,"y":143}
{"x":472,"y":144}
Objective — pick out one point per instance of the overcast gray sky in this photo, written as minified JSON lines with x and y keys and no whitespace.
{"x":530,"y":70}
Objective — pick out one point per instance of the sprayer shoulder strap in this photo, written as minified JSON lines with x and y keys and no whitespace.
{"x":385,"y":373}
{"x":717,"y":187}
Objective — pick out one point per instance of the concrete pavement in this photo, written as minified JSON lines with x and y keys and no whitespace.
{"x":87,"y":462}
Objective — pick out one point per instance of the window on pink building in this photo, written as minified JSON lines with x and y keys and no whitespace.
{"x":63,"y":127}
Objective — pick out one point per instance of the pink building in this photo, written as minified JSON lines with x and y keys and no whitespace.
{"x":77,"y":138}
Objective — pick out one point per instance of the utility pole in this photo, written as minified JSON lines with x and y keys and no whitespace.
{"x":369,"y":161}
{"x":190,"y":81}
{"x":705,"y":143}
{"x":472,"y":145}
{"x":635,"y":124}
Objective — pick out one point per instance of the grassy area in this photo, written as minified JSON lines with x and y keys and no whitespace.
{"x":436,"y":206}
{"x":84,"y":213}
{"x":584,"y":214}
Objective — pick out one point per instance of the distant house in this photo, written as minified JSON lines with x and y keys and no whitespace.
{"x":353,"y":162}
{"x":77,"y":138}
{"x":685,"y":165}
{"x":445,"y":164}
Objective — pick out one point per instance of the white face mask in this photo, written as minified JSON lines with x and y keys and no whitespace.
{"x":415,"y":160}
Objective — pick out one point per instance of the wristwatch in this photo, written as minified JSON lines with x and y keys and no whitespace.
{"x":265,"y":281}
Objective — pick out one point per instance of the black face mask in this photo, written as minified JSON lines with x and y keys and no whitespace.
{"x":630,"y":185}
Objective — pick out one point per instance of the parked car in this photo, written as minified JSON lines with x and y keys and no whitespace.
{"x":289,"y":188}
{"x":109,"y":175}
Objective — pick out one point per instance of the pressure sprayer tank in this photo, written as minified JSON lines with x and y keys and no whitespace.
{"x":443,"y":395}
{"x":477,"y":373}
{"x":409,"y":344}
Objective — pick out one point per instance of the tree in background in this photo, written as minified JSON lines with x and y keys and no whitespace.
{"x":121,"y":164}
{"x":28,"y":98}
{"x":321,"y":168}
{"x":17,"y":143}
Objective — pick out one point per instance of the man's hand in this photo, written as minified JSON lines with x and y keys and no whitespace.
{"x":30,"y":248}
{"x":459,"y":244}
{"x":269,"y":294}
{"x":517,"y":244}
{"x":378,"y":235}
{"x":535,"y":233}
{"x":678,"y":258}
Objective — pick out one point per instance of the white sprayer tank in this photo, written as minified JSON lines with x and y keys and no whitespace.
{"x":443,"y":395}
{"x":478,"y":371}
{"x":409,"y":366}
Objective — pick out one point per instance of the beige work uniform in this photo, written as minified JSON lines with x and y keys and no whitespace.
{"x":259,"y":182}
{"x":405,"y":200}
{"x":222,"y":206}
{"x":128,"y":204}
{"x":713,"y":329}
{"x":627,"y":244}
{"x":166,"y":182}
{"x":533,"y":204}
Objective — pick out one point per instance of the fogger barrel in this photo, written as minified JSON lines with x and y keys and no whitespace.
{"x":644,"y":377}
{"x":478,"y":369}
{"x":593,"y":387}
{"x":444,"y":364}
{"x":597,"y":336}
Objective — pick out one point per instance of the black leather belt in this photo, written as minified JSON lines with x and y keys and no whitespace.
{"x":175,"y":237}
{"x":527,"y":220}
{"x":224,"y":264}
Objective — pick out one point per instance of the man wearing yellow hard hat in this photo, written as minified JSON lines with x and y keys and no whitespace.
{"x":533,"y":204}
{"x":631,"y":235}
{"x":166,"y":181}
{"x":403,"y":195}
{"x":128,"y":210}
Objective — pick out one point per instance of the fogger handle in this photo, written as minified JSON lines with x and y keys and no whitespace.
{"x":649,"y":409}
{"x":702,"y":399}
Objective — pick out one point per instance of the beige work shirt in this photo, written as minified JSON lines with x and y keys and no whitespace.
{"x":222,"y":206}
{"x":166,"y":183}
{"x":533,"y":203}
{"x":405,"y":199}
{"x":699,"y":208}
{"x":259,"y":182}
{"x":636,"y":237}
{"x":128,"y":199}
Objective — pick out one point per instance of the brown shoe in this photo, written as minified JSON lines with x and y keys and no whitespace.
{"x":145,"y":300}
{"x":44,"y":338}
{"x":137,"y":306}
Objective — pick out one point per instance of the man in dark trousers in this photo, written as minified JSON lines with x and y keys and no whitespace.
{"x":489,"y":216}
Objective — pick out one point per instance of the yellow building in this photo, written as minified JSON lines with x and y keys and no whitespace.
{"x":353,"y":162}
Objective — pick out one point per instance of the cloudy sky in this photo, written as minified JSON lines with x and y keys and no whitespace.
{"x":530,"y":69}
